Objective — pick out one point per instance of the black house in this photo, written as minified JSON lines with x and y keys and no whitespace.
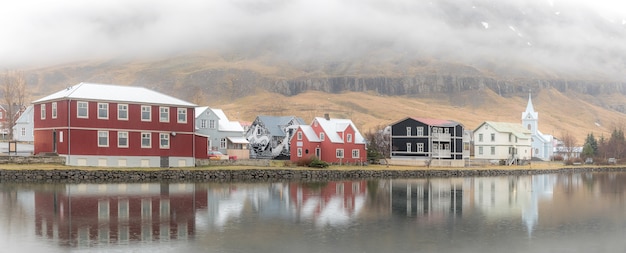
{"x":428,"y":139}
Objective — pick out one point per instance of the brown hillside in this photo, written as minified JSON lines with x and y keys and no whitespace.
{"x":558,"y":112}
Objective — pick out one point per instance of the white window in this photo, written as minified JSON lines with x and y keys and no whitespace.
{"x":164,"y":113}
{"x":23,"y":131}
{"x":480,"y":137}
{"x":480,"y":150}
{"x":122,"y":139}
{"x":446,"y":146}
{"x":322,"y":136}
{"x":493,"y":137}
{"x":212,"y":124}
{"x":182,"y":115}
{"x":420,"y":131}
{"x":408,"y":147}
{"x":339,"y":153}
{"x":165,"y":140}
{"x":223,"y":143}
{"x":203,"y":123}
{"x":54,"y":110}
{"x":299,"y":152}
{"x":146,"y":112}
{"x":82,"y":110}
{"x":355,"y":153}
{"x":43,"y":111}
{"x":146,"y":140}
{"x":408,"y":131}
{"x":103,"y":110}
{"x":446,"y":130}
{"x":299,"y":136}
{"x":493,"y":150}
{"x":349,"y":137}
{"x":420,"y":147}
{"x":122,"y":112}
{"x":103,"y":139}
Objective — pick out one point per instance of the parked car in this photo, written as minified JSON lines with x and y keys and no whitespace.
{"x":216,"y":155}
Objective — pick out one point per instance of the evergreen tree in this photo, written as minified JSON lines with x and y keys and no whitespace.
{"x":590,"y":149}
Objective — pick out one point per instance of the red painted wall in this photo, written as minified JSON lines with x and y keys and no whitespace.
{"x":328,"y":149}
{"x":83,"y":137}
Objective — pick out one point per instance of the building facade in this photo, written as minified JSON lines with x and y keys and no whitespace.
{"x":23,"y":129}
{"x":429,"y":142}
{"x":269,"y":136}
{"x":223,"y":135}
{"x":115,"y":126}
{"x":335,"y":141}
{"x":502,"y":141}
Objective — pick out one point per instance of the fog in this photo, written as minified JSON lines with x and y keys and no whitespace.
{"x":550,"y":37}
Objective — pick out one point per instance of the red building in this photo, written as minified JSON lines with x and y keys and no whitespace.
{"x":331,"y":140}
{"x":115,"y":126}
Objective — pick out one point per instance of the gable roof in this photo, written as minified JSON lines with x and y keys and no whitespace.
{"x":117,"y":93}
{"x":332,"y":126}
{"x":431,"y":122}
{"x":309,"y":133}
{"x":276,"y":124}
{"x":223,"y":123}
{"x":505,"y":127}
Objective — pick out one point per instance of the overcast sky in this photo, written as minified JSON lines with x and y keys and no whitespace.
{"x":38,"y":33}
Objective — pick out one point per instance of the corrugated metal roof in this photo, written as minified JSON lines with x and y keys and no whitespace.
{"x":332,"y":126}
{"x":505,"y":127}
{"x":437,"y":122}
{"x":276,"y":124}
{"x":117,"y":93}
{"x":239,"y":140}
{"x":309,"y":133}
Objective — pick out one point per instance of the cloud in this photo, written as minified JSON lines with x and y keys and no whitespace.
{"x":555,"y":37}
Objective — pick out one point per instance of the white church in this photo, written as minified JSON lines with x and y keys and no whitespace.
{"x":542,"y":146}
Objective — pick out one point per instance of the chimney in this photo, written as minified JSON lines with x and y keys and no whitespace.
{"x":326,"y":116}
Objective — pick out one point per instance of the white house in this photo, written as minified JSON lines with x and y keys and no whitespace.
{"x":502,"y":141}
{"x":23,"y":129}
{"x":224,"y":135}
{"x":542,"y":144}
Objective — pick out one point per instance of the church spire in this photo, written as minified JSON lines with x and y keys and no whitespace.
{"x":529,"y":106}
{"x":530,"y":110}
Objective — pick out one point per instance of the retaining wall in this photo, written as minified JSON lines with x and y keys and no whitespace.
{"x":261,"y":175}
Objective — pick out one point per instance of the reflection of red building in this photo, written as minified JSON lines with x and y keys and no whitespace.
{"x":82,"y":215}
{"x":341,"y":200}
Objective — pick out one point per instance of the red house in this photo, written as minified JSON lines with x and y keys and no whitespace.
{"x":115,"y":126}
{"x":331,"y":140}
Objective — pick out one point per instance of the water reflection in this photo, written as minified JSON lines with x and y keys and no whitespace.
{"x":399,"y":215}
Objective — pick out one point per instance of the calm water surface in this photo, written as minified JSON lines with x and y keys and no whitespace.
{"x":541,"y":213}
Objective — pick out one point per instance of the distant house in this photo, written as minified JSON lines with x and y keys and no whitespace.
{"x":5,"y":118}
{"x":502,"y":141}
{"x":429,"y":142}
{"x":223,"y":135}
{"x":331,"y":140}
{"x":269,"y":136}
{"x":115,"y":126}
{"x":23,"y":129}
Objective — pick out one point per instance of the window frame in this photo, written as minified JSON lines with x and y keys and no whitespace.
{"x":356,"y":153}
{"x":106,"y":136}
{"x":42,"y":111}
{"x":322,"y":136}
{"x":181,"y":112}
{"x":146,"y":136}
{"x":164,"y":137}
{"x":420,"y":147}
{"x":299,"y":152}
{"x":54,"y":110}
{"x":408,"y":147}
{"x":419,"y":131}
{"x":349,"y":138}
{"x":164,"y":114}
{"x":493,"y":150}
{"x":79,"y":109}
{"x":211,"y":124}
{"x":119,"y":137}
{"x":103,"y":107}
{"x":299,"y":135}
{"x":203,"y":123}
{"x":223,"y":143}
{"x":146,"y":109}
{"x":122,"y":108}
{"x":339,"y":153}
{"x":408,"y":131}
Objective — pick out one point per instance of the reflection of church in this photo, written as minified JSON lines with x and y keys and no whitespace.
{"x":542,"y":147}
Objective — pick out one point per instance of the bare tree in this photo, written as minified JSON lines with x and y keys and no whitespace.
{"x":378,"y":141}
{"x":569,"y":144}
{"x":14,"y":91}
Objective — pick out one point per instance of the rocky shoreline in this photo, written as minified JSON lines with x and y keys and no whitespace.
{"x":260,"y":175}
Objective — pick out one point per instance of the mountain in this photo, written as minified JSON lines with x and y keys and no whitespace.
{"x":376,"y":62}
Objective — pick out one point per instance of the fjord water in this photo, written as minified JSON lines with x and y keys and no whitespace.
{"x":540,"y":213}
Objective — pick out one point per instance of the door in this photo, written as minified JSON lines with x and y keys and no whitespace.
{"x":54,"y":141}
{"x":318,"y":153}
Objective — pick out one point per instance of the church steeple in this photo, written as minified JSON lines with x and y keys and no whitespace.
{"x":530,"y":118}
